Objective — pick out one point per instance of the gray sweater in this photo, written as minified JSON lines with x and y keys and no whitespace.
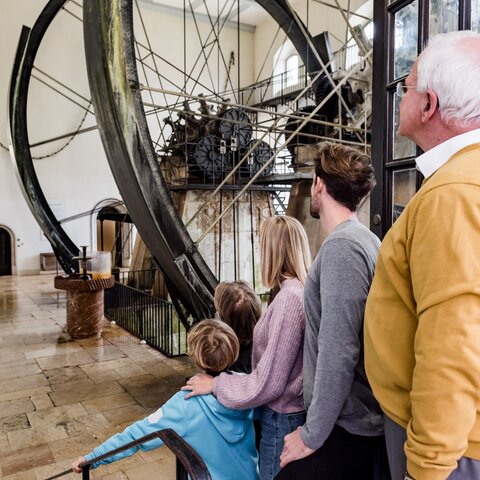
{"x":336,"y":390}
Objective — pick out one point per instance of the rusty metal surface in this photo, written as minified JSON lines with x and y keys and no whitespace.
{"x":109,"y":47}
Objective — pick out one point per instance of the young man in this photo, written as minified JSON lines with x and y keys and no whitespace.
{"x":422,"y":323}
{"x":343,"y":433}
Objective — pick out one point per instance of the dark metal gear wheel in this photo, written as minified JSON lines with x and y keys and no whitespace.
{"x":235,"y":125}
{"x":308,"y":133}
{"x":207,"y":156}
{"x":259,"y":156}
{"x":330,"y":109}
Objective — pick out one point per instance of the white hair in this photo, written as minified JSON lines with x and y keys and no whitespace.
{"x":450,"y":66}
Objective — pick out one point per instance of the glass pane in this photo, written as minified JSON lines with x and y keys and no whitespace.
{"x":402,"y":147}
{"x":404,"y":186}
{"x":443,"y":16}
{"x":405,"y":39}
{"x":476,"y":15}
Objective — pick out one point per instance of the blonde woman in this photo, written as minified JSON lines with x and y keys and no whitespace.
{"x":275,"y":383}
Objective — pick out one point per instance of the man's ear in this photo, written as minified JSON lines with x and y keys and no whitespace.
{"x":317,"y":184}
{"x":430,"y":105}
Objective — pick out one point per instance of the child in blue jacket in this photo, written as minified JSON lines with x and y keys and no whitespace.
{"x":223,"y":437}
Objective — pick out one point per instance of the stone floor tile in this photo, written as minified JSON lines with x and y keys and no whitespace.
{"x":120,"y":466}
{"x":132,"y":370}
{"x":41,"y":402}
{"x":126,"y":415}
{"x":9,"y":357}
{"x":151,"y":392}
{"x":25,"y":459}
{"x":72,"y":394}
{"x":163,"y":469}
{"x":50,"y":350}
{"x":109,"y":476}
{"x":19,"y":371}
{"x":106,"y":365}
{"x":80,"y":401}
{"x":104,"y":376}
{"x":27,"y":437}
{"x":50,"y":470}
{"x":5,"y":397}
{"x":73,"y":446}
{"x":64,"y":360}
{"x":23,"y":383}
{"x":65,"y":375}
{"x":104,"y":352}
{"x":56,"y":415}
{"x":25,"y":475}
{"x":14,"y":423}
{"x":21,"y":405}
{"x":104,"y":404}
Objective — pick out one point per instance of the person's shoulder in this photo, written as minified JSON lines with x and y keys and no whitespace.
{"x":291,"y":287}
{"x":352,"y":235}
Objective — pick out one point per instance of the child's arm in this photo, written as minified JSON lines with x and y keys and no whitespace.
{"x":171,"y":415}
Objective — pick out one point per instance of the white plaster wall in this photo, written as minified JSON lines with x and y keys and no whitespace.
{"x":79,"y":177}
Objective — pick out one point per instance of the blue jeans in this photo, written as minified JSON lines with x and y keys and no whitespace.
{"x":274,"y":428}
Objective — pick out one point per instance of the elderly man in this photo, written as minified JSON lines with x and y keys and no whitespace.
{"x":422,"y":320}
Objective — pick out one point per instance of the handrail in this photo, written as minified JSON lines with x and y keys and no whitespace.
{"x":189,"y":462}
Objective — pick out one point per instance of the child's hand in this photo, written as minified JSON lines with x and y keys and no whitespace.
{"x":76,"y":463}
{"x":200,"y":384}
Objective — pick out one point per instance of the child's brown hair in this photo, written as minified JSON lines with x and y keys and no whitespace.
{"x":213,"y":345}
{"x":238,"y":305}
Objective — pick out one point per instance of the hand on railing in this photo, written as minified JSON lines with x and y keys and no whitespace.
{"x":76,"y":464}
{"x":189,"y":463}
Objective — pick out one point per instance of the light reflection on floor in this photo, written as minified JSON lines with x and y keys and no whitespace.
{"x":60,"y":399}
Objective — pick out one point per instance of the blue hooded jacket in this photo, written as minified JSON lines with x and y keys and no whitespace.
{"x":224,"y":438}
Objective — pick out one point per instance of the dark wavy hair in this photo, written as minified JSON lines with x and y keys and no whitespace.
{"x":348,"y":173}
{"x":239,"y":306}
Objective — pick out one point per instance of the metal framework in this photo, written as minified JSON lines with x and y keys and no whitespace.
{"x":114,"y":59}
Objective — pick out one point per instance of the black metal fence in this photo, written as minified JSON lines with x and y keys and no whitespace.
{"x":149,"y":318}
{"x":139,"y":279}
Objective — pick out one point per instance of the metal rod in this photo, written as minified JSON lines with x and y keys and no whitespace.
{"x":261,"y":170}
{"x":337,"y":8}
{"x":252,"y":109}
{"x":61,"y":137}
{"x":61,"y":93}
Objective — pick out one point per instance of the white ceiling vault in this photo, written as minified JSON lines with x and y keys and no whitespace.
{"x":248,"y":11}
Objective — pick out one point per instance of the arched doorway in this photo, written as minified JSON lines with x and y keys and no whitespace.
{"x":6,"y":253}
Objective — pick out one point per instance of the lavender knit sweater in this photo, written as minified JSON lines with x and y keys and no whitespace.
{"x":277,"y":358}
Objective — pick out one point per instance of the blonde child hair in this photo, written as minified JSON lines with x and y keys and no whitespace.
{"x":213,"y":345}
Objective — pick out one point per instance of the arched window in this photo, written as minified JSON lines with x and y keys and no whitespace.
{"x":291,"y":67}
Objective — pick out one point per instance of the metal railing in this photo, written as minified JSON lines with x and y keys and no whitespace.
{"x":139,"y":279}
{"x":189,"y":463}
{"x":149,"y":318}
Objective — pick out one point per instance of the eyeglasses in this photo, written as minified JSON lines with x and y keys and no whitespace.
{"x":402,"y":89}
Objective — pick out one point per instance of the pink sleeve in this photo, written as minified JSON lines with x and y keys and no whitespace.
{"x":268,"y":380}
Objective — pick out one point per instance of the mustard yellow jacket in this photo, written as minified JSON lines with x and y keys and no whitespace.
{"x":422,"y":320}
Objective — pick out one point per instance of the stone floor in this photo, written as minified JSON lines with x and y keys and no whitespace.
{"x":59,"y":399}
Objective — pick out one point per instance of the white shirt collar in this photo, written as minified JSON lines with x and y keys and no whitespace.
{"x":429,"y":162}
